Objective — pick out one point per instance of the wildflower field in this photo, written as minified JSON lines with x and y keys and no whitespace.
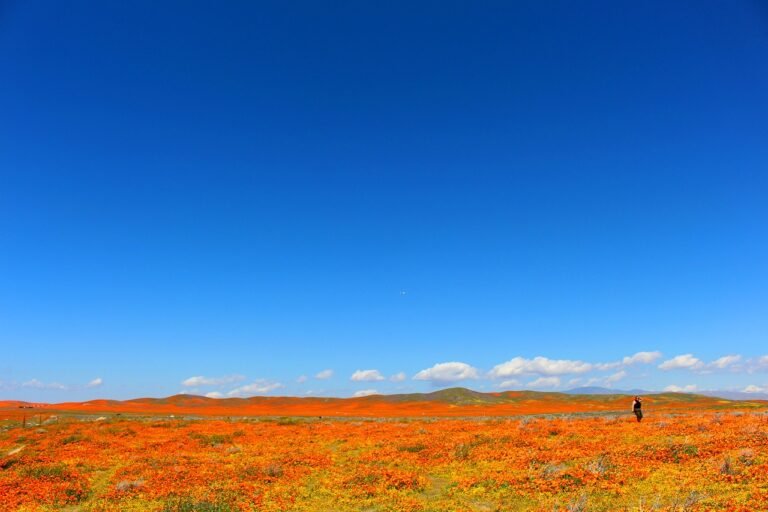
{"x":715,"y":460}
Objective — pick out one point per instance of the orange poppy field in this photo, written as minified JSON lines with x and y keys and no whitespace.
{"x":678,"y":458}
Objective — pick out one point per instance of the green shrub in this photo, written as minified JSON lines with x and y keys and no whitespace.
{"x":412,"y":448}
{"x":190,"y":505}
{"x":57,"y":471}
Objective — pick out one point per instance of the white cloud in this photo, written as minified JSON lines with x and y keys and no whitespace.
{"x":690,"y":388}
{"x":641,"y":358}
{"x":325,"y":374}
{"x":95,"y":383}
{"x":755,"y":389}
{"x":575,"y":381}
{"x":724,"y":362}
{"x":757,"y":365}
{"x":447,"y":372}
{"x":211,"y":381}
{"x":365,"y":392}
{"x":545,"y":382}
{"x":689,"y":362}
{"x":366,"y":375}
{"x":684,"y":361}
{"x":258,"y":387}
{"x":302,"y":379}
{"x":612,"y":379}
{"x":538,"y":366}
{"x":214,"y":394}
{"x":36,"y":384}
{"x":607,"y":381}
{"x":510,"y":383}
{"x":398,"y":377}
{"x":637,"y":358}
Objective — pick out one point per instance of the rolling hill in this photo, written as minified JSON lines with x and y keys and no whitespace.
{"x":451,"y":402}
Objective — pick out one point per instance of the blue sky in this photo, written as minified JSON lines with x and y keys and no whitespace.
{"x":301,"y":198}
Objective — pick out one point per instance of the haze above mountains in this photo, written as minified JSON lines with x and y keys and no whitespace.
{"x":730,"y":395}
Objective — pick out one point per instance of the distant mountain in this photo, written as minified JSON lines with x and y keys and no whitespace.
{"x":596,"y":390}
{"x":454,"y":396}
{"x":727,"y":395}
{"x":734,"y":395}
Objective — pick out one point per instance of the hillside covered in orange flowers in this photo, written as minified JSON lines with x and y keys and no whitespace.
{"x":453,"y":402}
{"x":601,"y":463}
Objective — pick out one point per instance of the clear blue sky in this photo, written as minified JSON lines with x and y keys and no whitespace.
{"x":256,"y":192}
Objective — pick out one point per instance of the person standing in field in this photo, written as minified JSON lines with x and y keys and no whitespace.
{"x":637,"y":408}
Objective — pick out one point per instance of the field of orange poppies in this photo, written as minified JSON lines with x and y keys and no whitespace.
{"x":671,"y":461}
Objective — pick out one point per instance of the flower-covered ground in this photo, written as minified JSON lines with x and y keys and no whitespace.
{"x":686,"y":461}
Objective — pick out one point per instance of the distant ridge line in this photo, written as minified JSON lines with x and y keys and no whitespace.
{"x":450,"y":402}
